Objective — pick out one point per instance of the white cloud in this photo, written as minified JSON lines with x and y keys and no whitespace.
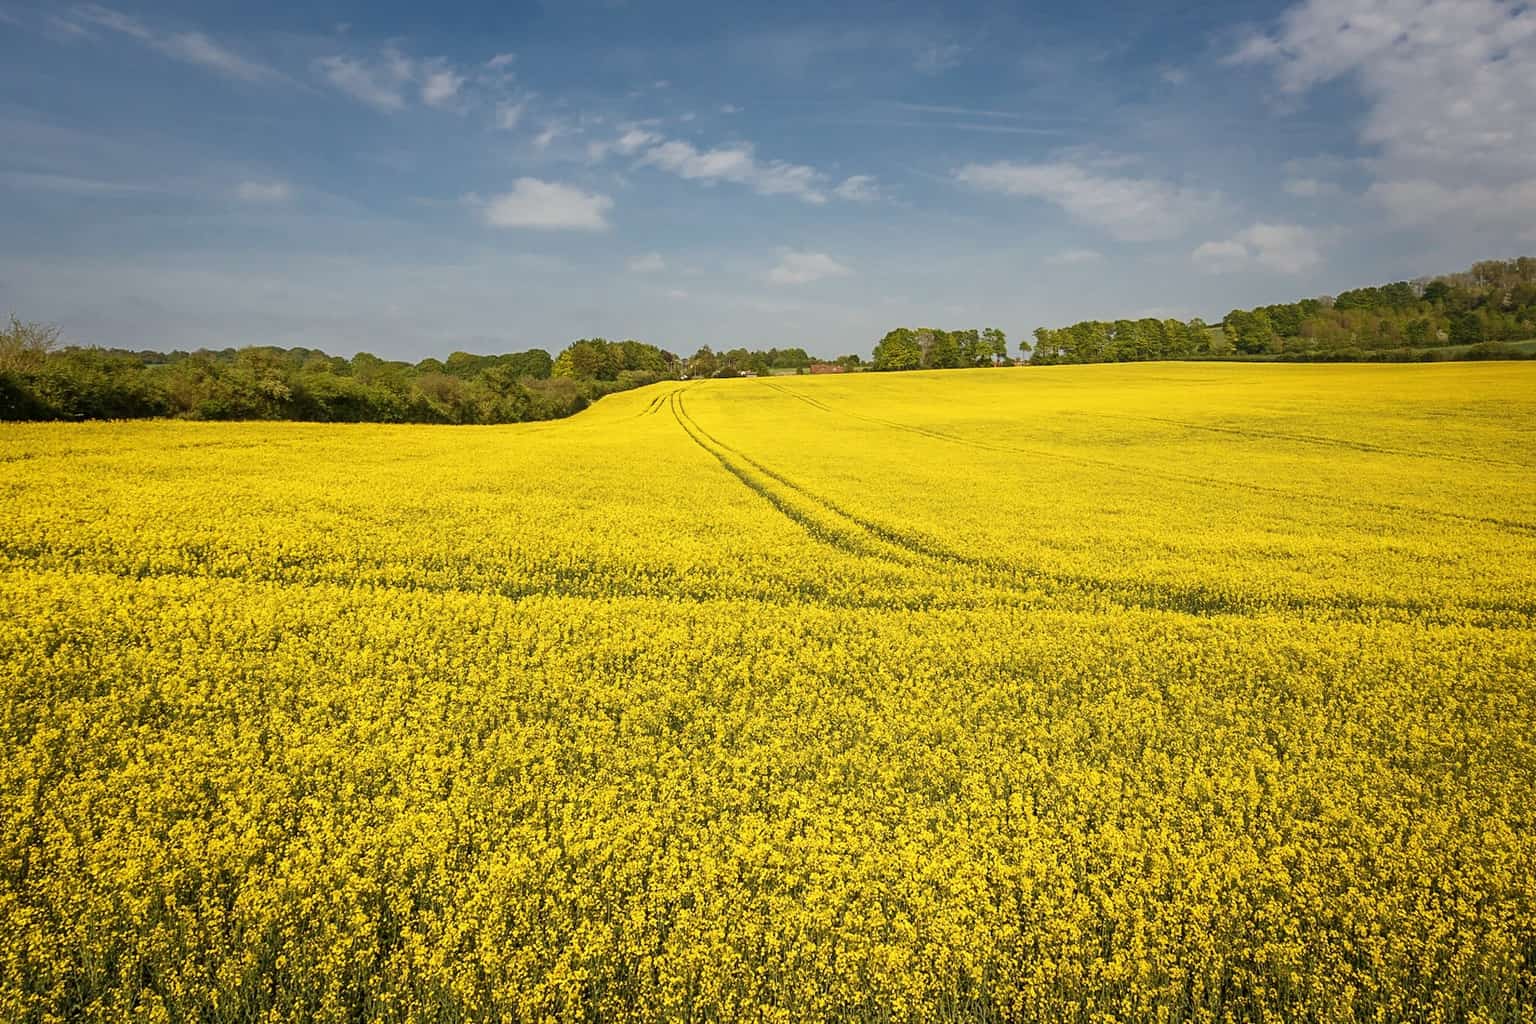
{"x":738,"y":163}
{"x":860,"y":188}
{"x":501,"y":61}
{"x":1174,"y":76}
{"x":650,"y":263}
{"x":1422,"y":203}
{"x":548,"y":205}
{"x":1130,"y":209}
{"x":1220,"y":257}
{"x":1310,"y":188}
{"x":938,"y":57}
{"x":1076,"y":257}
{"x":1450,"y":90}
{"x":191,"y":47}
{"x":729,"y":108}
{"x":677,"y":293}
{"x":380,"y":85}
{"x":264,"y":192}
{"x":551,"y":131}
{"x":628,"y":144}
{"x":510,"y":113}
{"x":76,"y":185}
{"x":440,"y":85}
{"x":1282,"y":248}
{"x":798,"y":267}
{"x":388,"y":81}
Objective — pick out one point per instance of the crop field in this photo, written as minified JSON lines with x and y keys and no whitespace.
{"x":1157,"y":692}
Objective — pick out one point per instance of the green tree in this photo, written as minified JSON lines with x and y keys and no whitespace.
{"x":898,"y":350}
{"x":25,"y":346}
{"x":1466,"y":328}
{"x":996,"y":344}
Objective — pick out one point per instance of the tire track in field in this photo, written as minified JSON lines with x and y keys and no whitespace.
{"x":657,"y":403}
{"x":919,"y":547}
{"x":850,"y":539}
{"x":1334,"y":442}
{"x":1391,"y":508}
{"x":1007,"y":575}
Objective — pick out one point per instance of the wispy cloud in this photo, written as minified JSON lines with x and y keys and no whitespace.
{"x":933,"y":108}
{"x":1219,"y":257}
{"x":632,"y":141}
{"x":71,"y":184}
{"x":1310,"y":188}
{"x":551,"y":131}
{"x":1075,"y":257}
{"x":736,"y":163}
{"x":380,"y":84}
{"x":1130,"y":209}
{"x":650,"y":263}
{"x":1451,"y":111}
{"x":1282,"y":248}
{"x":264,"y":191}
{"x":547,"y":205}
{"x":440,"y":85}
{"x":191,"y":47}
{"x":739,"y":164}
{"x":938,"y":57}
{"x":803,"y":267}
{"x":860,"y":188}
{"x":391,"y":79}
{"x":509,"y":113}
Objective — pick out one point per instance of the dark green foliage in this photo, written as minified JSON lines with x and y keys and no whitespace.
{"x":898,"y":350}
{"x":1095,"y":341}
{"x":929,"y":348}
{"x":738,"y":361}
{"x":1493,"y":303}
{"x":39,"y":382}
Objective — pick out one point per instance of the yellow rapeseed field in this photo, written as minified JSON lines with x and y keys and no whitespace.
{"x":1112,"y":693}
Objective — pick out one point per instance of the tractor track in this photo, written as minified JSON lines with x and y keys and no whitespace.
{"x":1390,"y":508}
{"x":859,"y":536}
{"x":1331,"y":442}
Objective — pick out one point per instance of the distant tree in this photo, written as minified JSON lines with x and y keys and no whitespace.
{"x":1466,"y":328}
{"x":972,"y":348}
{"x":703,"y":363}
{"x":898,"y":350}
{"x":25,"y":346}
{"x":943,"y":351}
{"x":996,"y":343}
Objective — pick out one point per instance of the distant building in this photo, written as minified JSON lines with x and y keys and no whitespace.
{"x":828,"y":368}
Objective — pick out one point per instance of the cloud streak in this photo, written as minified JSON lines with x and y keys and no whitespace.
{"x":735,"y":163}
{"x":1129,"y":209}
{"x":804,"y":267}
{"x":190,"y":47}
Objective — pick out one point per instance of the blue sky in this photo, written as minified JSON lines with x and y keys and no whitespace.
{"x":411,"y":179}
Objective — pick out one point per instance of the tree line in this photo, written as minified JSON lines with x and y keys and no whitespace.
{"x":40,"y":380}
{"x":1468,"y":315}
{"x":929,"y":348}
{"x":736,"y":362}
